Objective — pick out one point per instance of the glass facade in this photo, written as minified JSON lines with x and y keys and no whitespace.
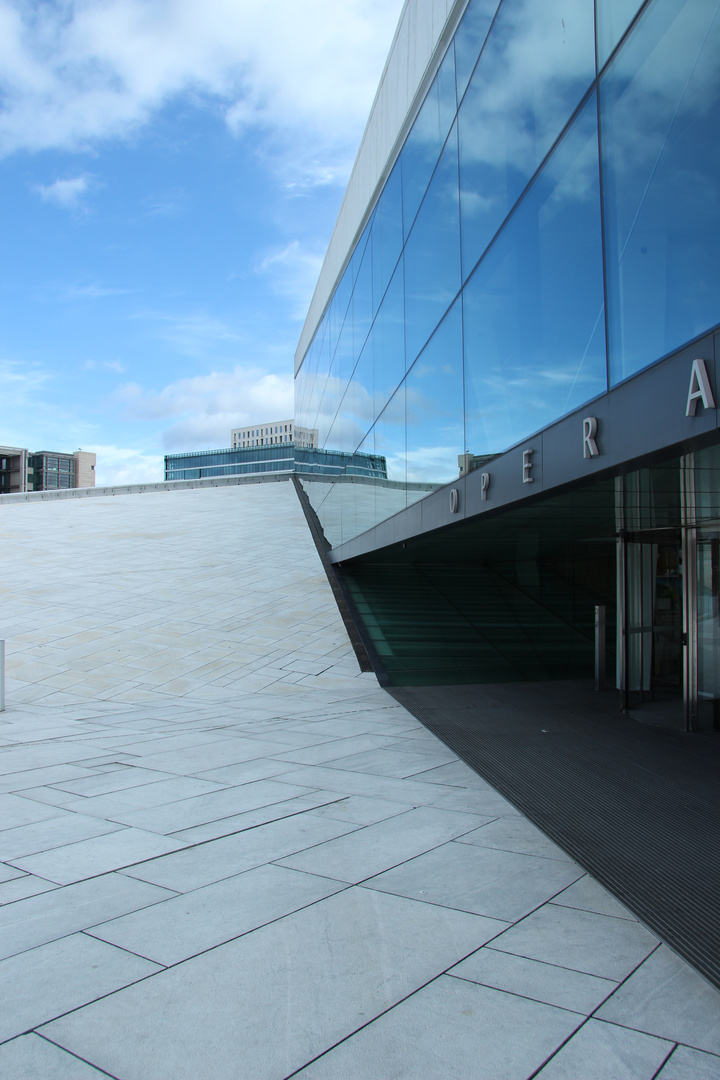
{"x":204,"y":464}
{"x":549,"y":229}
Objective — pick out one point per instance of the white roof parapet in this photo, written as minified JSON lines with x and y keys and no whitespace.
{"x":409,"y":69}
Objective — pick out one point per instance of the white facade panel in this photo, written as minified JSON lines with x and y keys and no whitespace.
{"x":424,"y":27}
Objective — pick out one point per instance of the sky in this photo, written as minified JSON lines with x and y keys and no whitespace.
{"x":170,"y":175}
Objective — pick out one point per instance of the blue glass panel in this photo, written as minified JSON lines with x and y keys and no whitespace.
{"x":362,"y":309}
{"x":660,"y":123}
{"x":613,"y":19}
{"x":387,"y":236}
{"x":388,"y":339}
{"x":355,"y":414}
{"x":538,"y":61}
{"x":434,"y":403}
{"x":359,"y":252}
{"x":447,"y":98}
{"x":339,"y":305}
{"x":425,"y":141}
{"x":533,"y":310}
{"x":470,"y":38}
{"x":432,"y":254}
{"x":335,"y":385}
{"x":390,"y":443}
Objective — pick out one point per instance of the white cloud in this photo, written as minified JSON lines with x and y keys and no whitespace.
{"x":65,"y":193}
{"x":105,"y":365}
{"x":118,"y":465}
{"x":293,"y":273}
{"x":94,"y":291}
{"x":76,"y":71}
{"x":205,"y":408}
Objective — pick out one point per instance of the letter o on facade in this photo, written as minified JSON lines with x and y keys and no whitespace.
{"x":454,"y":501}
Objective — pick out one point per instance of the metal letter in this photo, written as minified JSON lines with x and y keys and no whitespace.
{"x":700,"y":389}
{"x":590,"y":447}
{"x":484,"y":485}
{"x":453,"y":501}
{"x":527,"y":466}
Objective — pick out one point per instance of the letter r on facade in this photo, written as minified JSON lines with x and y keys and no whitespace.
{"x":590,"y":447}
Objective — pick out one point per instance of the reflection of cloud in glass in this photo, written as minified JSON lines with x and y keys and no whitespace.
{"x":537,"y":63}
{"x":534,"y":328}
{"x":660,"y":101}
{"x":432,"y":464}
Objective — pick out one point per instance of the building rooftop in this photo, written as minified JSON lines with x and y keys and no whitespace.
{"x":227,"y":852}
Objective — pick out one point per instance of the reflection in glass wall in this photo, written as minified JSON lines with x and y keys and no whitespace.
{"x":432,"y":254}
{"x":613,"y":19}
{"x":536,"y":65}
{"x":660,"y":125}
{"x":472,"y":310}
{"x":434,"y":404}
{"x":534,"y":325}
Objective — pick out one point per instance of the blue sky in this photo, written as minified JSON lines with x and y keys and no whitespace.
{"x":170,"y":173}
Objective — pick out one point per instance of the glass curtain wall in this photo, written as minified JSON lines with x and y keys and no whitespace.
{"x":549,"y":229}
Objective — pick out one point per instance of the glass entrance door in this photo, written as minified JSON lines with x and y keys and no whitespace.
{"x":654,"y":628}
{"x":708,"y":632}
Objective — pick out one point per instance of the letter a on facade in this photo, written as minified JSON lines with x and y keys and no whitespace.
{"x":700,"y":389}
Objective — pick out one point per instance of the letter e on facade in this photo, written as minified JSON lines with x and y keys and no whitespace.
{"x":527,"y":466}
{"x":700,"y":389}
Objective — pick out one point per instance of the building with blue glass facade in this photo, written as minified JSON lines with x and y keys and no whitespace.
{"x":526,"y":269}
{"x":288,"y":457}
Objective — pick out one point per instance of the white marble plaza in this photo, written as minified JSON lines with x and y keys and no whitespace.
{"x":226,"y":854}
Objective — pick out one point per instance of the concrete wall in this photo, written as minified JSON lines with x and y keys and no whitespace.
{"x":84,"y":469}
{"x":423,"y":32}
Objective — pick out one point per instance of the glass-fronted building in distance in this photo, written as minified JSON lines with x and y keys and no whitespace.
{"x":519,"y":311}
{"x":205,"y":464}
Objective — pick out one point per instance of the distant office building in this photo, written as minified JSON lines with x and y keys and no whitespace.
{"x":202,"y":464}
{"x":279,"y":432}
{"x":44,"y":470}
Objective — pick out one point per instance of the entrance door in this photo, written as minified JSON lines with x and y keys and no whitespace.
{"x":654,"y":628}
{"x":708,"y":632}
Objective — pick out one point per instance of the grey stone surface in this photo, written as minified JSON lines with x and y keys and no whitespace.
{"x":607,"y":1052}
{"x":173,"y":698}
{"x":665,"y":997}
{"x":362,"y":811}
{"x":16,"y":811}
{"x":370,"y":850}
{"x":313,"y":978}
{"x":450,"y":1030}
{"x":54,"y":833}
{"x":100,"y":855}
{"x":39,"y":919}
{"x":21,"y":887}
{"x":199,"y":920}
{"x":230,"y":855}
{"x":42,"y":983}
{"x":596,"y":944}
{"x":686,"y":1064}
{"x":553,"y":985}
{"x":514,"y":834}
{"x":7,"y":873}
{"x":32,"y":1057}
{"x":184,"y":814}
{"x":499,"y":884}
{"x":588,"y":895}
{"x":112,"y":804}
